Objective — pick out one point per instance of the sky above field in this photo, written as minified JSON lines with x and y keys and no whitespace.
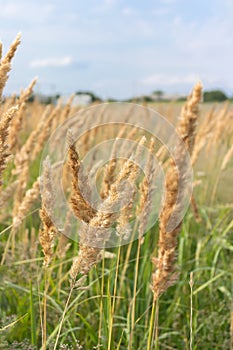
{"x":120,"y":48}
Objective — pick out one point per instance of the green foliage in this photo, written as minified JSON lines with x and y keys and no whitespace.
{"x":94,"y":98}
{"x":214,"y":96}
{"x":204,"y":248}
{"x":158,"y":94}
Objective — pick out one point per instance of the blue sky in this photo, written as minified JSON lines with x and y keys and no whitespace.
{"x":120,"y":48}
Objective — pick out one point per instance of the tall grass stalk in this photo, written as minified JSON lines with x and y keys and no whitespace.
{"x":152,"y":341}
{"x":114,"y":298}
{"x":134,"y":295}
{"x":101,"y":302}
{"x":191,"y":282}
{"x":44,"y":329}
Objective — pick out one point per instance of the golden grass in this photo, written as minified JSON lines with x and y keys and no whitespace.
{"x":201,"y":131}
{"x":164,"y":275}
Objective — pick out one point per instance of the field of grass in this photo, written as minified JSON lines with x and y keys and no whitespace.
{"x":112,"y":304}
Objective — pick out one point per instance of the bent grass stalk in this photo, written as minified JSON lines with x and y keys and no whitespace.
{"x":164,"y":275}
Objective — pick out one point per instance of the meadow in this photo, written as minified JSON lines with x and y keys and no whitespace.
{"x":163,"y":290}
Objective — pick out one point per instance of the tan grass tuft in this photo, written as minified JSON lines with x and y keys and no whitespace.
{"x":18,"y":120}
{"x":189,"y":114}
{"x":123,"y":226}
{"x":164,"y":275}
{"x":96,"y":232}
{"x":81,"y":208}
{"x":203,"y":134}
{"x":44,"y":130}
{"x":109,"y":170}
{"x":5,"y":65}
{"x":29,"y":199}
{"x":35,"y":142}
{"x":66,"y":111}
{"x":145,"y":190}
{"x":227,"y":158}
{"x":4,"y":133}
{"x":7,"y":193}
{"x":49,"y":231}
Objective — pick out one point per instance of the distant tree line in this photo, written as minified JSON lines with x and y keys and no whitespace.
{"x":158,"y":95}
{"x":208,"y":96}
{"x":214,"y":96}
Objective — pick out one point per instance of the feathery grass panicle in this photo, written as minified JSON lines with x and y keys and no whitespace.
{"x":29,"y":199}
{"x":49,"y":231}
{"x":87,"y":137}
{"x":130,"y":136}
{"x":7,"y":193}
{"x":96,"y":231}
{"x":218,"y":129}
{"x":187,"y":124}
{"x":203,"y":134}
{"x":28,"y":153}
{"x":11,"y":52}
{"x":227,"y":158}
{"x":20,"y":189}
{"x":4,"y":134}
{"x":5,"y":65}
{"x":66,"y":111}
{"x":81,"y":208}
{"x":130,"y":168}
{"x":30,"y":150}
{"x":86,"y":259}
{"x":26,"y":93}
{"x":34,"y":142}
{"x":9,"y":102}
{"x":123,"y":226}
{"x":44,"y":129}
{"x":4,"y":70}
{"x":47,"y":192}
{"x":109,"y":170}
{"x":220,"y":122}
{"x":22,"y":160}
{"x":161,"y":154}
{"x":164,"y":275}
{"x":109,"y":174}
{"x":16,"y":124}
{"x":146,"y":190}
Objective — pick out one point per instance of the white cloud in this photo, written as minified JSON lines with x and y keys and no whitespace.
{"x":9,"y":10}
{"x":168,"y":80}
{"x":182,"y":82}
{"x":52,"y":62}
{"x":26,"y":11}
